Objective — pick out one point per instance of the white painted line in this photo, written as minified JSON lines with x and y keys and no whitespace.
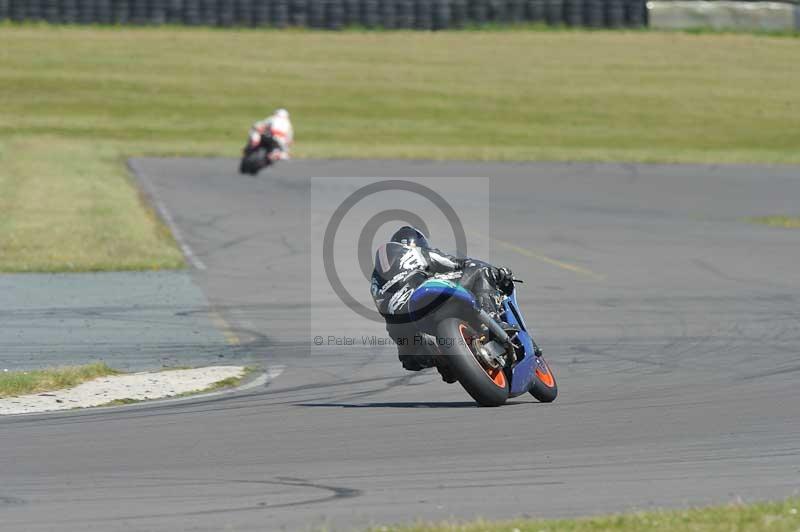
{"x":262,"y":380}
{"x":150,"y":190}
{"x":275,"y":372}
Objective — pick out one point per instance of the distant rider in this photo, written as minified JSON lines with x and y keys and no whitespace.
{"x":278,"y":127}
{"x":403,"y":264}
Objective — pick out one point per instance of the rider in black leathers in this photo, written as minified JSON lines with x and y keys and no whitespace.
{"x":402,"y":265}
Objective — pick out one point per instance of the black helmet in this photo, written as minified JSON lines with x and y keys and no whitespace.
{"x":410,"y":236}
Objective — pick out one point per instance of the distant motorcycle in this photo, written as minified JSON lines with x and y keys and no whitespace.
{"x":491,"y":362}
{"x":258,"y":155}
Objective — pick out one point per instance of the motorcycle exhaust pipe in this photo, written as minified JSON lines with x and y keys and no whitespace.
{"x":493,"y":326}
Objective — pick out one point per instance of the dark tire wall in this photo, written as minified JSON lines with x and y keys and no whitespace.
{"x":466,"y":368}
{"x":545,"y":392}
{"x":331,"y":14}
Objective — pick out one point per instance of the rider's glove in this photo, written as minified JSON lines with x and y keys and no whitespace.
{"x":504,"y":279}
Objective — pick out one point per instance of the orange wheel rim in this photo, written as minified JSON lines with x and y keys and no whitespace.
{"x":545,"y":376}
{"x":496,"y":374}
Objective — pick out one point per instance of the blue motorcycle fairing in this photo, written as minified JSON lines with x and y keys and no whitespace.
{"x":433,"y":294}
{"x":522,"y":372}
{"x":512,"y":311}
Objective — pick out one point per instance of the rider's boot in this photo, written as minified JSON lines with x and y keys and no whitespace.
{"x":414,"y":357}
{"x":416,"y":362}
{"x":445,"y":371}
{"x":410,"y":350}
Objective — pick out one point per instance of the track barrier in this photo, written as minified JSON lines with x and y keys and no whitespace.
{"x":330,"y":14}
{"x":423,"y":15}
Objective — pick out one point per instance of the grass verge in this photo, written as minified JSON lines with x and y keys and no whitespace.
{"x":68,"y":205}
{"x":13,"y":383}
{"x":787,"y":222}
{"x":230,"y":382}
{"x":78,"y":100}
{"x":772,"y":516}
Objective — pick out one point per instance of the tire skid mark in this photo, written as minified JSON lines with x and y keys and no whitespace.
{"x":8,"y":500}
{"x":333,"y":493}
{"x":251,"y":400}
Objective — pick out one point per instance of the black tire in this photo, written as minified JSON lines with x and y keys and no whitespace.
{"x":225,"y":13}
{"x":370,"y":14}
{"x":138,"y":13}
{"x":544,"y":386}
{"x":253,"y":162}
{"x":637,"y":13}
{"x":35,"y":10}
{"x":352,"y":13}
{"x":280,"y":13}
{"x":423,"y":11}
{"x":478,"y":11}
{"x":441,"y":15}
{"x":534,"y":10}
{"x":102,"y":12}
{"x":334,"y":15}
{"x":470,"y":373}
{"x":16,"y":10}
{"x":497,"y":11}
{"x":593,"y":13}
{"x":458,"y":14}
{"x":208,"y":12}
{"x":120,"y":12}
{"x":191,"y":12}
{"x":157,"y":12}
{"x":51,"y":12}
{"x":404,"y":13}
{"x":515,"y":11}
{"x":387,"y":14}
{"x":554,"y":12}
{"x":573,"y":12}
{"x":243,"y":13}
{"x":316,"y":14}
{"x":69,"y":11}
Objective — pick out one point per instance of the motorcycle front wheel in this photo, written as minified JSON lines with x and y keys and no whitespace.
{"x":457,"y":341}
{"x":543,"y":386}
{"x":253,"y":162}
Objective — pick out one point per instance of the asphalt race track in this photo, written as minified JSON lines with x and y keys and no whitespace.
{"x":673,"y":327}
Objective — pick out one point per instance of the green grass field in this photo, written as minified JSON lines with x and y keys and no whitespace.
{"x":68,"y":205}
{"x":77,"y":101}
{"x":773,"y":517}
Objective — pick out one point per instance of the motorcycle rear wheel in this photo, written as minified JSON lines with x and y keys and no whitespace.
{"x":488,"y":386}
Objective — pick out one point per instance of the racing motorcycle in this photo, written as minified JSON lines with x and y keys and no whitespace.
{"x":492,"y":358}
{"x":258,"y":155}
